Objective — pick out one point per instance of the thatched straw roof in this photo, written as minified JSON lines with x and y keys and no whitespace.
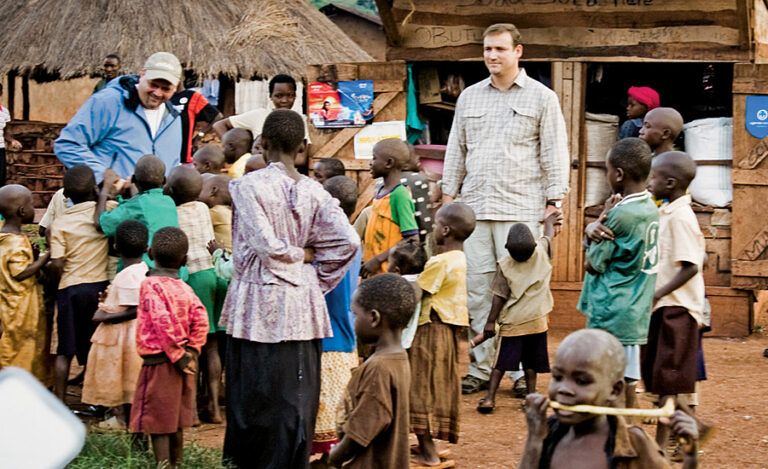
{"x":239,"y":38}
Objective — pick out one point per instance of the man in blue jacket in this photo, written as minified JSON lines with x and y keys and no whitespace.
{"x":128,"y":119}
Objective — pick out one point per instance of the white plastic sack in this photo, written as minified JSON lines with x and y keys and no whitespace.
{"x":602,"y":131}
{"x":711,"y":139}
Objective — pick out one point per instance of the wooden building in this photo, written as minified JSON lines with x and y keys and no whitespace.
{"x":705,"y":57}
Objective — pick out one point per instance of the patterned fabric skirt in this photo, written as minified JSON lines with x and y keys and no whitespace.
{"x":435,"y":381}
{"x":336,"y":369}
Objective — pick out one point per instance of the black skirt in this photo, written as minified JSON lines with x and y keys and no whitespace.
{"x":273,"y":391}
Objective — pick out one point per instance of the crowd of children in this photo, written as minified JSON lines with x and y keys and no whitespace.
{"x":197,"y":249}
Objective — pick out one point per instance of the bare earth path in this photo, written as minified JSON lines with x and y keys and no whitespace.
{"x":734,"y":400}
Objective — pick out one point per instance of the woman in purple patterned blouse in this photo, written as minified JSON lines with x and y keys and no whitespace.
{"x":291,"y":244}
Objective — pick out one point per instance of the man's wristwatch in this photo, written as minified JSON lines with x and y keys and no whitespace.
{"x":555,"y":203}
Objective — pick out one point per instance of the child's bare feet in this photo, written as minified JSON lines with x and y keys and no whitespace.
{"x":427,"y":455}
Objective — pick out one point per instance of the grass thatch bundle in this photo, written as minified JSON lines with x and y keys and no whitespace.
{"x":239,"y":38}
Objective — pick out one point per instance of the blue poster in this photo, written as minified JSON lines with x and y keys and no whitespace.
{"x":757,"y":116}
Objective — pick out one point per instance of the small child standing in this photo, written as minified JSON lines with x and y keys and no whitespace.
{"x":237,"y":147}
{"x":408,"y":259}
{"x":171,"y":326}
{"x":184,"y":187}
{"x":209,"y":159}
{"x":79,"y":254}
{"x":588,"y":370}
{"x":521,"y":305}
{"x":640,"y":100}
{"x":434,"y":354}
{"x":621,"y":269}
{"x":670,"y":358}
{"x":374,"y":426}
{"x":661,"y":127}
{"x":215,"y":195}
{"x":150,"y":206}
{"x":113,"y":363}
{"x":339,"y":355}
{"x":392,"y":215}
{"x":24,"y":338}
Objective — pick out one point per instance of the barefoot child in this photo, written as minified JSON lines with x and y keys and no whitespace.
{"x":374,"y":426}
{"x":209,"y":159}
{"x":661,"y":127}
{"x":670,"y":358}
{"x":621,"y":269}
{"x":184,"y":187}
{"x":23,"y":342}
{"x":339,"y":355}
{"x":521,"y":305}
{"x":171,"y":326}
{"x":588,"y":370}
{"x":640,"y":100}
{"x":237,"y":147}
{"x":392,"y":216}
{"x":408,"y":259}
{"x":434,"y":354}
{"x":79,"y":257}
{"x":113,"y":363}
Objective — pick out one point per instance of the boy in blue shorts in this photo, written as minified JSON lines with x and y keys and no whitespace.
{"x":621,"y":269}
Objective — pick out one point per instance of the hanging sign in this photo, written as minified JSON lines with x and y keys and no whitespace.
{"x":757,"y":115}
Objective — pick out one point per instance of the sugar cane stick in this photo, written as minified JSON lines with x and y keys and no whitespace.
{"x":666,"y":411}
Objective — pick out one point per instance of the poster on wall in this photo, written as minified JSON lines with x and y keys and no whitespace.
{"x":366,"y":138}
{"x":757,"y":116}
{"x":341,"y":104}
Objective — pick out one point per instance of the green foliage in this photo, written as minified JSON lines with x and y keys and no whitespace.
{"x":116,"y":451}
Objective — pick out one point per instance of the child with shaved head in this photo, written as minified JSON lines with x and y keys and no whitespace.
{"x":237,"y":150}
{"x":588,"y":370}
{"x":209,"y":159}
{"x":661,"y":127}
{"x":184,"y":187}
{"x":621,"y":264}
{"x":434,"y":353}
{"x":521,"y":305}
{"x":23,"y":334}
{"x":79,"y":254}
{"x":669,"y":365}
{"x":149,"y":206}
{"x":392,"y":215}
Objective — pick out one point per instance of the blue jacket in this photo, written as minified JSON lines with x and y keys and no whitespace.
{"x":111,"y":131}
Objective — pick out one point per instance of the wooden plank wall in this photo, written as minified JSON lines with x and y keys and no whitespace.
{"x":569,"y":82}
{"x":389,"y":86}
{"x":749,"y":232}
{"x":573,"y":29}
{"x":760,"y":30}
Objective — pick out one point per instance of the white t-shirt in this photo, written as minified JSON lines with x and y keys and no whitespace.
{"x":253,"y":120}
{"x":5,"y":117}
{"x":154,"y":118}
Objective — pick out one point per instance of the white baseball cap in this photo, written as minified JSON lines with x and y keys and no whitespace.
{"x":163,"y":66}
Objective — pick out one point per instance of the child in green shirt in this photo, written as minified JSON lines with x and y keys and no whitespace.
{"x":621,"y":256}
{"x":149,"y":206}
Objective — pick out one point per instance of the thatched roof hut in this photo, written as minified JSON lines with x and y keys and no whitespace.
{"x":236,"y":38}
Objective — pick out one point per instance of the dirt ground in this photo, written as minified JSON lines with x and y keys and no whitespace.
{"x":733,"y":400}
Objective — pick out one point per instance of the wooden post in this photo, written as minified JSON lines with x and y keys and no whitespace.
{"x":12,"y":92}
{"x":568,"y":81}
{"x":25,"y":98}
